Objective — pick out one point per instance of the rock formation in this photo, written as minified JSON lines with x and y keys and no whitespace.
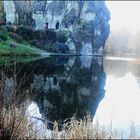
{"x":2,"y":13}
{"x":85,"y":21}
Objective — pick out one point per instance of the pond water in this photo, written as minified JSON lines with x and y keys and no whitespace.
{"x":57,"y":87}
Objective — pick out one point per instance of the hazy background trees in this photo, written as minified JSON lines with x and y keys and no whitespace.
{"x":123,"y":41}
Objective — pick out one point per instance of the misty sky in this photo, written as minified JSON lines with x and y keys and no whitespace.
{"x":124,"y":14}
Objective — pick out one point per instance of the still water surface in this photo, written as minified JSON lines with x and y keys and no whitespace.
{"x":121,"y":103}
{"x":57,"y":87}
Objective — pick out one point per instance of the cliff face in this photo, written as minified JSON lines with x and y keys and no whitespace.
{"x":87,"y":21}
{"x":2,"y":13}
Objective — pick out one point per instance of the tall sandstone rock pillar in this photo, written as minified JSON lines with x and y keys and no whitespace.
{"x":2,"y":13}
{"x":24,"y":11}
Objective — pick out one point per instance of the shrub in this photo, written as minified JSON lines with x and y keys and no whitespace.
{"x":40,"y":43}
{"x":61,"y":37}
{"x":3,"y":29}
{"x":2,"y":22}
{"x":3,"y":33}
{"x":25,"y":32}
{"x":39,"y":34}
{"x":48,"y":47}
{"x":9,"y":28}
{"x":51,"y":34}
{"x":33,"y":42}
{"x":16,"y":37}
{"x":3,"y":37}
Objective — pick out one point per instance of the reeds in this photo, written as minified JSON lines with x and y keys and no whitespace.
{"x":15,"y":125}
{"x":14,"y":122}
{"x":85,"y":129}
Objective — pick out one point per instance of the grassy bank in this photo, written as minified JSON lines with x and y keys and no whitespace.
{"x":12,"y":44}
{"x":6,"y":50}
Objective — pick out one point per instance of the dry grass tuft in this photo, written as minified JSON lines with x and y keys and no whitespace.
{"x":85,"y":129}
{"x":14,"y":124}
{"x":88,"y":129}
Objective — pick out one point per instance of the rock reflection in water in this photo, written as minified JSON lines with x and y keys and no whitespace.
{"x":76,"y":89}
{"x":62,"y":86}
